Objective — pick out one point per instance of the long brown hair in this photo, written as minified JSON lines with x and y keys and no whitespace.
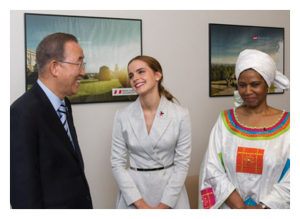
{"x":156,"y":67}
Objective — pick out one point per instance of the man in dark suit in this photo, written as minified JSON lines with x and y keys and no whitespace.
{"x":46,"y":165}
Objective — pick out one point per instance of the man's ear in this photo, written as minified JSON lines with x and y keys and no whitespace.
{"x":53,"y":67}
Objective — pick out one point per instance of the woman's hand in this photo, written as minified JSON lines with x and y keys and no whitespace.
{"x":141,"y":204}
{"x":254,"y":207}
{"x":162,"y":206}
{"x":234,"y":201}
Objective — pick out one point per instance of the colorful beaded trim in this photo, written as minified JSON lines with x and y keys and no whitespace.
{"x":254,"y":133}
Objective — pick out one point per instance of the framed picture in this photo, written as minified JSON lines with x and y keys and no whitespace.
{"x":225,"y":44}
{"x":108,"y":45}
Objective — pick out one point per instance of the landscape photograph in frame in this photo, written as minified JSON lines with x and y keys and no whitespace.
{"x":108,"y":45}
{"x":225,"y":44}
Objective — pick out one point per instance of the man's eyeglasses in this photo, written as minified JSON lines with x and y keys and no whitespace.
{"x":81,"y":65}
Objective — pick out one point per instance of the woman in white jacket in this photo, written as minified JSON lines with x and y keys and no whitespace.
{"x":157,"y":135}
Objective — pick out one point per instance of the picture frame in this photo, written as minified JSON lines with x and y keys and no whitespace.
{"x":226,"y":41}
{"x":108,"y":45}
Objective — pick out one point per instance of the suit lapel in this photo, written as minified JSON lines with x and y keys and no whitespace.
{"x":159,"y":126}
{"x":51,"y":117}
{"x":161,"y":121}
{"x":138,"y":125}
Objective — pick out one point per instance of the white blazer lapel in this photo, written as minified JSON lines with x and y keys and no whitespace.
{"x":138,"y":125}
{"x":161,"y":121}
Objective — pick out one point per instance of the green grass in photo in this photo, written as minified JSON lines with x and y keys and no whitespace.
{"x":92,"y":90}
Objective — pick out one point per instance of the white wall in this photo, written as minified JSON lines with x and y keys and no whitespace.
{"x":179,"y":40}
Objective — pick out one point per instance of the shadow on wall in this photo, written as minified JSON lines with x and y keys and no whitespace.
{"x":191,"y":185}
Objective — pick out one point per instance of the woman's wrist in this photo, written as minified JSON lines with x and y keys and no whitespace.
{"x":234,"y":201}
{"x":162,"y":206}
{"x":141,"y":204}
{"x":263,"y":206}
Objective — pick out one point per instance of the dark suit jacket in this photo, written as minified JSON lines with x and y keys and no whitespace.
{"x":45,"y":171}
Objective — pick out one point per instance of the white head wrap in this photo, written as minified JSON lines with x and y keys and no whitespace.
{"x":264,"y":65}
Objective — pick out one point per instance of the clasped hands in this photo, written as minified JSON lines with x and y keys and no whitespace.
{"x":141,"y":204}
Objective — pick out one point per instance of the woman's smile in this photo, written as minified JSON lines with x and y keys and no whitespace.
{"x":139,"y":84}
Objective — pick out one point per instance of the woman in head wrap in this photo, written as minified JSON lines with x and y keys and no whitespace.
{"x":247,"y":161}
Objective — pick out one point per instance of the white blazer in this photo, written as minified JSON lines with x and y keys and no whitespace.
{"x":169,"y":141}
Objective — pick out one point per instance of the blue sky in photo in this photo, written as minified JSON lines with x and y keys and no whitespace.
{"x":104,"y":41}
{"x":228,"y":41}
